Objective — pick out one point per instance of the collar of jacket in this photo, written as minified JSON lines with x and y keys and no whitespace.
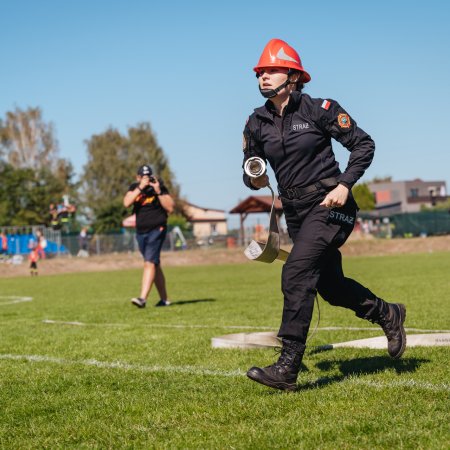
{"x":266,"y":111}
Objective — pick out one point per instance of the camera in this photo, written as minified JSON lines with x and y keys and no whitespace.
{"x":149,"y":191}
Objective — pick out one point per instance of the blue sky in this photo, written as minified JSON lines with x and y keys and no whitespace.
{"x":186,"y":67}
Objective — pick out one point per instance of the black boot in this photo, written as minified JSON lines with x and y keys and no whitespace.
{"x":283,"y":374}
{"x":390,"y":316}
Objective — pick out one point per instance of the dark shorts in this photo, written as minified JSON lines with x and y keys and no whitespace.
{"x":33,"y":265}
{"x":150,"y":244}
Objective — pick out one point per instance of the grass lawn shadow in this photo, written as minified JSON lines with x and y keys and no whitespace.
{"x":187,"y":302}
{"x":361,"y":366}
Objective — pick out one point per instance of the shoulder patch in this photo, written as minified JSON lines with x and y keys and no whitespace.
{"x":344,"y":121}
{"x":326,"y":105}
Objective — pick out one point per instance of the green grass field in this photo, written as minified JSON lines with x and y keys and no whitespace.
{"x":130,"y":378}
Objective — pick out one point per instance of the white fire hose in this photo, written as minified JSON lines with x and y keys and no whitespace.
{"x":269,"y":251}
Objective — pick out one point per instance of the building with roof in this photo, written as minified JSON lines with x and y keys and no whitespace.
{"x":206,"y":221}
{"x":256,"y":204}
{"x":394,"y":197}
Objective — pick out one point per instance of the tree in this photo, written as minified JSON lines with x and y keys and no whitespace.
{"x":109,"y":217}
{"x":27,"y":141}
{"x":17,"y":202}
{"x":25,"y":194}
{"x":32,"y":174}
{"x":113,"y":160}
{"x":178,"y":220}
{"x":143,"y":147}
{"x":363,"y":196}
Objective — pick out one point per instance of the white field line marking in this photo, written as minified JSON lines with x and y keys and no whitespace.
{"x":228,"y":327}
{"x":56,"y":322}
{"x":14,"y":299}
{"x":192,"y":370}
{"x":399,"y":383}
{"x":155,"y":325}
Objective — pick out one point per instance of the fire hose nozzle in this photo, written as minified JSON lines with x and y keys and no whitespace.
{"x":254,"y":167}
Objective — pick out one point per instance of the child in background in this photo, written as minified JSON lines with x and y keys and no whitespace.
{"x":34,"y":258}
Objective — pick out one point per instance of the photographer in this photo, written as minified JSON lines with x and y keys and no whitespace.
{"x":151,"y":203}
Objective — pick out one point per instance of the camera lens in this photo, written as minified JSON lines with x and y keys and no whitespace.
{"x":149,"y":191}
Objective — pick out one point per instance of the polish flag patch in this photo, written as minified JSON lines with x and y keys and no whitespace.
{"x":325,"y":104}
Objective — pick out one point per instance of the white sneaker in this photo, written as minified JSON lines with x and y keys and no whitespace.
{"x":138,"y":302}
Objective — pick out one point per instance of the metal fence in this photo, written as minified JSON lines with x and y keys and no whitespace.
{"x":425,"y":223}
{"x":100,"y":244}
{"x":22,"y":239}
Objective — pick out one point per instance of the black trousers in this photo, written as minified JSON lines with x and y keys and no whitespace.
{"x":315,"y":263}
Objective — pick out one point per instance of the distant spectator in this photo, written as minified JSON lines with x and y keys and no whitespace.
{"x":61,"y":215}
{"x":54,"y":220}
{"x":66,"y":212}
{"x":3,"y":244}
{"x":376,"y":228}
{"x":41,"y":244}
{"x":33,"y":257}
{"x":83,"y":242}
{"x":366,"y":227}
{"x":32,"y":243}
{"x":83,"y":239}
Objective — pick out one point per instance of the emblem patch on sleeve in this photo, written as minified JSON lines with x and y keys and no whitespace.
{"x":344,"y":121}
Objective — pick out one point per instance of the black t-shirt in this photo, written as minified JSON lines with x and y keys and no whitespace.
{"x":149,"y":212}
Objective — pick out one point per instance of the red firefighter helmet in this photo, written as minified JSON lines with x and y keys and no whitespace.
{"x":278,"y":53}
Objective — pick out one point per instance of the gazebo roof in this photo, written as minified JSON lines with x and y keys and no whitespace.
{"x":257,"y":204}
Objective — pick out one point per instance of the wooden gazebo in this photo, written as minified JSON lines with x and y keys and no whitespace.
{"x":256,"y":204}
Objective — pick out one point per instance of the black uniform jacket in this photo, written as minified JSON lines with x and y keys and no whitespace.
{"x":298,"y":145}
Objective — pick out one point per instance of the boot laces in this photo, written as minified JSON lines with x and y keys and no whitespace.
{"x":387,"y":326}
{"x":286,"y":358}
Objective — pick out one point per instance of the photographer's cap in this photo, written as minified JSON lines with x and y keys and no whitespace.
{"x":144,"y":170}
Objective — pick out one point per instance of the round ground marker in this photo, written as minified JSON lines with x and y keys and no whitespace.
{"x":270,"y":339}
{"x":412,"y":340}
